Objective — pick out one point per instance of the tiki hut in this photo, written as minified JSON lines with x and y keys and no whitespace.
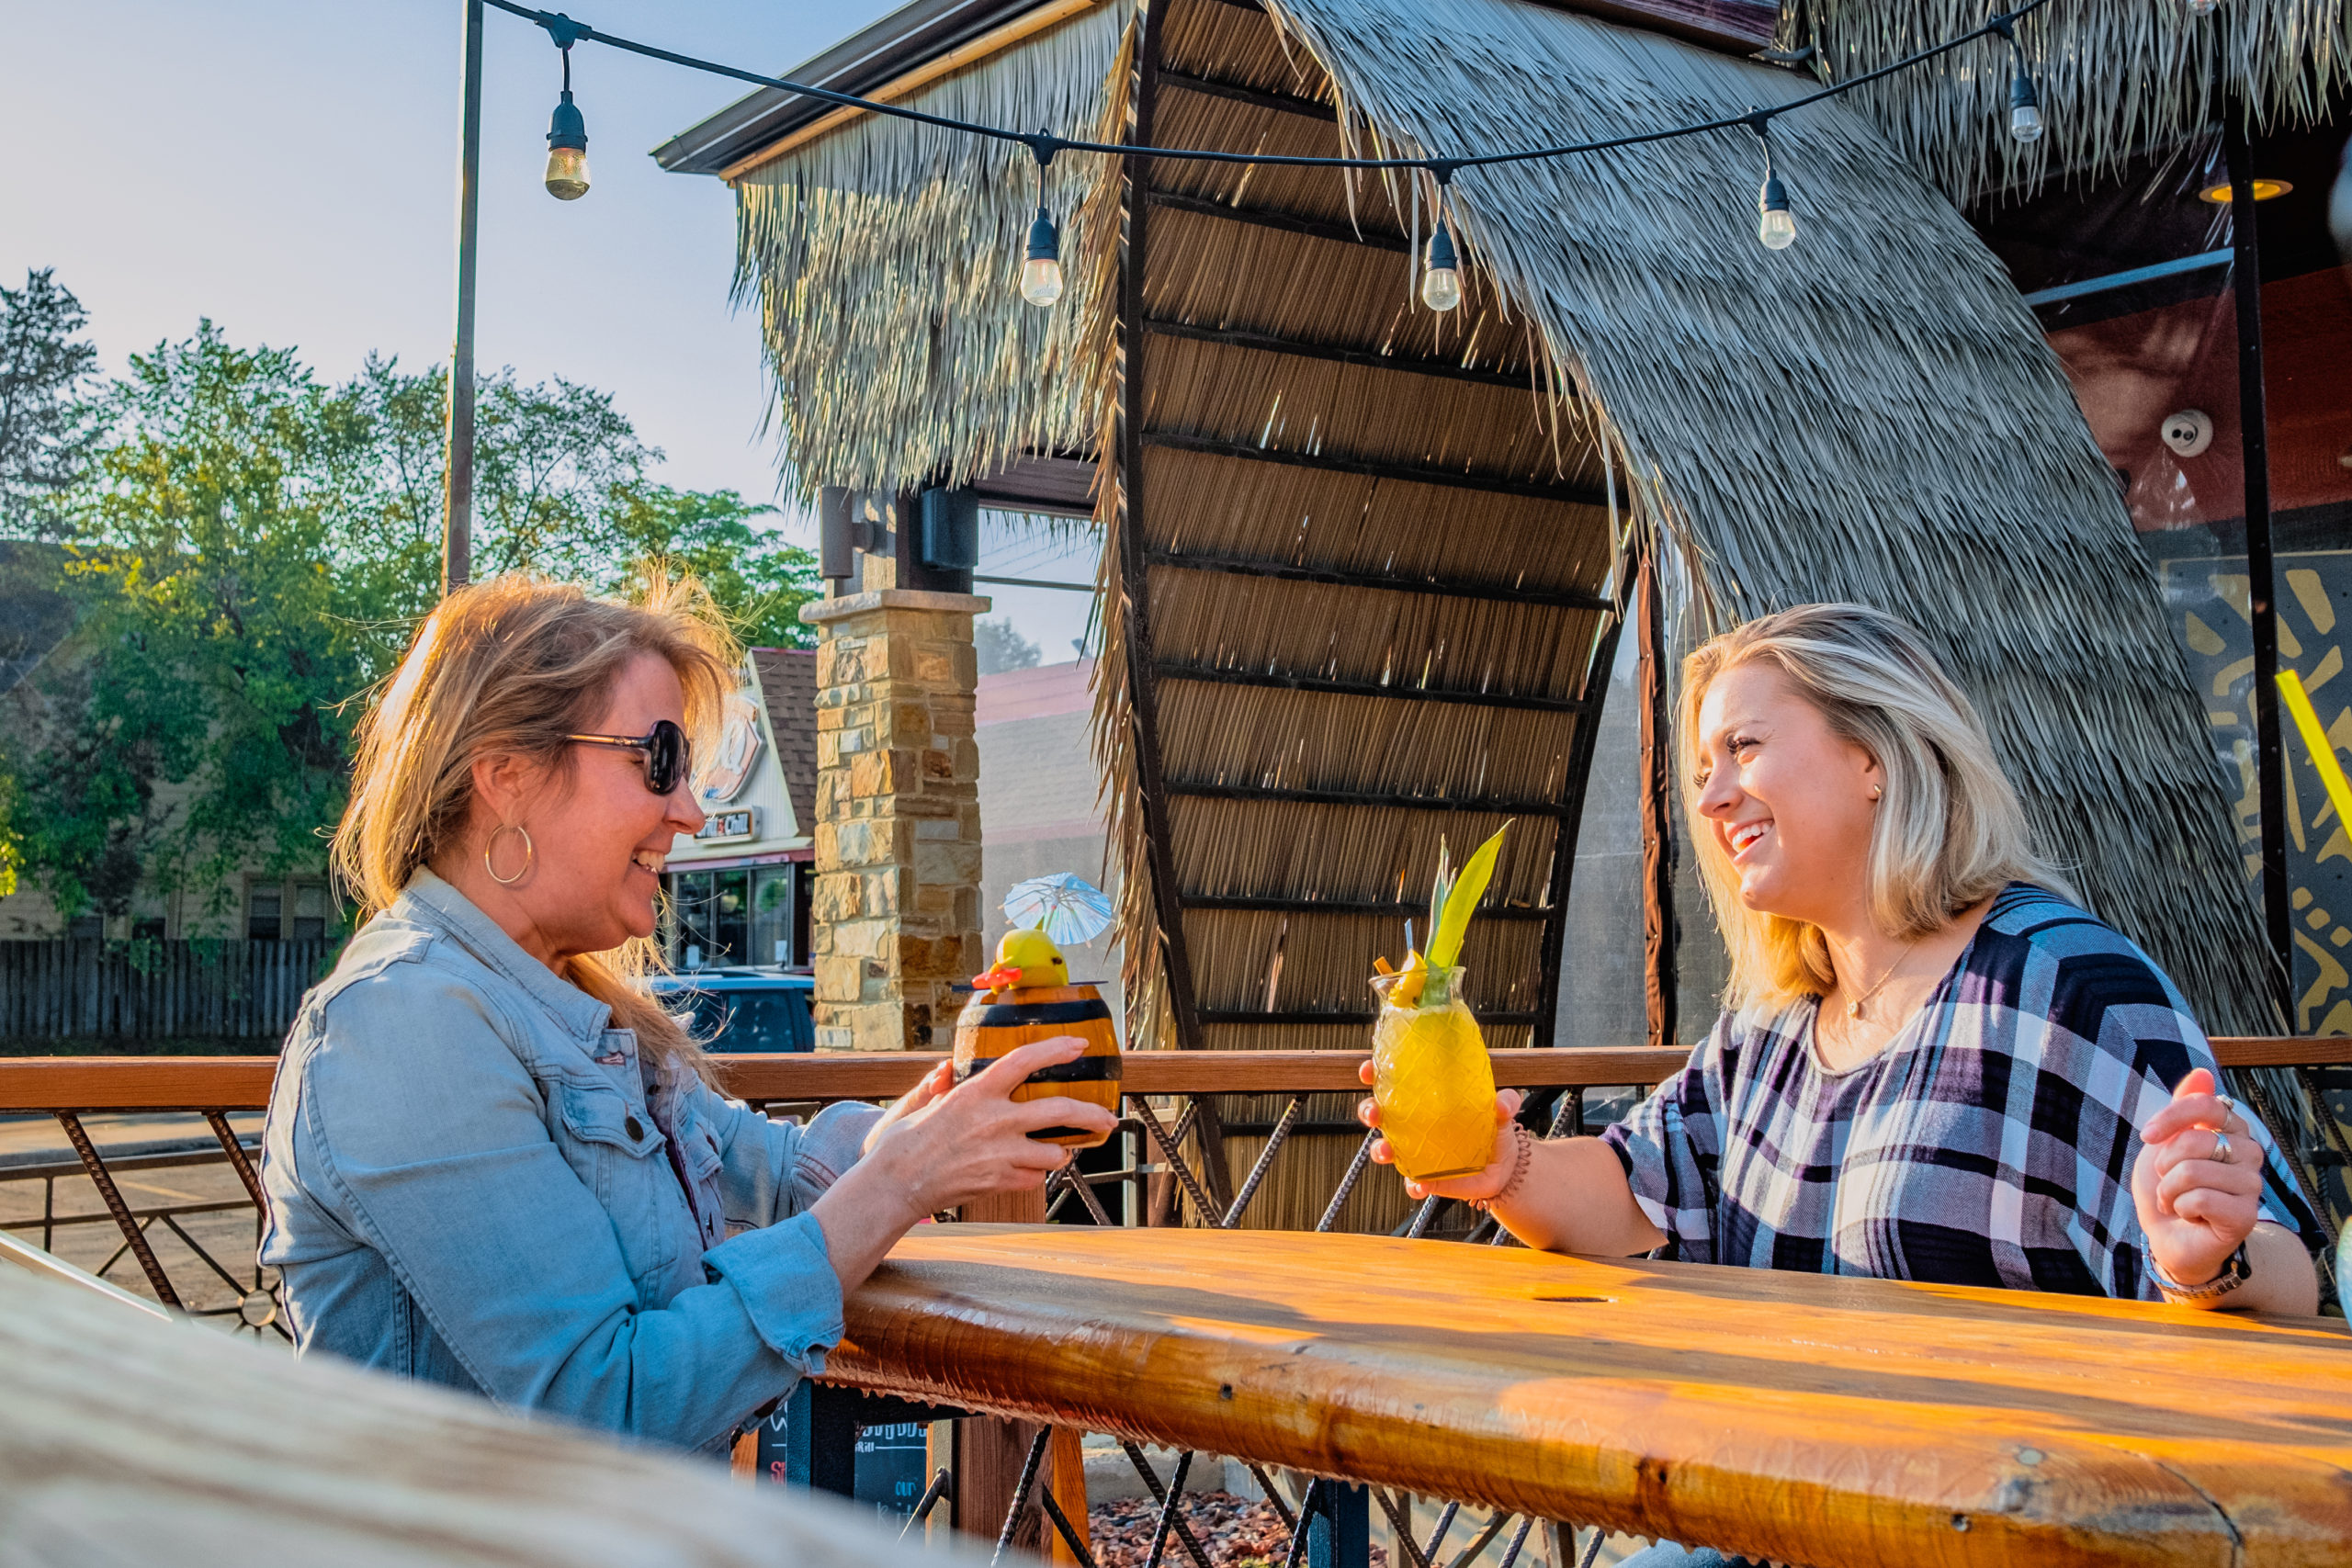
{"x":1366,"y":564}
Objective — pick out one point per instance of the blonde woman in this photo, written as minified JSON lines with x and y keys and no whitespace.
{"x":1935,"y":1065}
{"x":492,"y":1160}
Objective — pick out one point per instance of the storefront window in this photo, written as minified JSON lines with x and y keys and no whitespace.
{"x":772,"y":890}
{"x":711,"y":909}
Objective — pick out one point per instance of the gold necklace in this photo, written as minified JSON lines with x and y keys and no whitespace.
{"x":1854,"y":1008}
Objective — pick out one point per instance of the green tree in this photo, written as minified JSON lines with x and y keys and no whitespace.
{"x":48,"y":422}
{"x":250,"y":552}
{"x":756,"y":579}
{"x":210,"y":651}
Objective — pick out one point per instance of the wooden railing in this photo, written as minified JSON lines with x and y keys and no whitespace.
{"x":96,"y":1084}
{"x":1178,"y":1156}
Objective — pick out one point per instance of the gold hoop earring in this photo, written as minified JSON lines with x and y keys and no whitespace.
{"x":530,"y":854}
{"x":1874,"y":792}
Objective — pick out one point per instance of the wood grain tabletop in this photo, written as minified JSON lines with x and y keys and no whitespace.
{"x":1832,"y":1422}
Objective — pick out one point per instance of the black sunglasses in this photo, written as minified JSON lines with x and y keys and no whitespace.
{"x":669,"y":755}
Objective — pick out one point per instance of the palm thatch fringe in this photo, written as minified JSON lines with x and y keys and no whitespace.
{"x":2116,"y":77}
{"x":884,"y":258}
{"x":1871,"y":415}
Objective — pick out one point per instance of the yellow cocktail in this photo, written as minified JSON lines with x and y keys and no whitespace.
{"x":1433,"y":1080}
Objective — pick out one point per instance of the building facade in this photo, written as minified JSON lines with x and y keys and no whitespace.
{"x":739,"y":890}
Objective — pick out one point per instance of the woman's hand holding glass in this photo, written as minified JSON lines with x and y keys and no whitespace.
{"x":944,"y":1144}
{"x":1476,"y":1187}
{"x":1573,"y":1197}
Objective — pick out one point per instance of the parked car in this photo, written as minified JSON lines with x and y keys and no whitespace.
{"x":743,"y":1008}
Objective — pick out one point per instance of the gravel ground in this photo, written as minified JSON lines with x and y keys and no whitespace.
{"x":1234,"y":1533}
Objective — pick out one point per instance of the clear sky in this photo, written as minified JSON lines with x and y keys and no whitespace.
{"x":287,"y":167}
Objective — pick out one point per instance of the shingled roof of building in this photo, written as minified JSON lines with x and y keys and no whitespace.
{"x":788,"y":680}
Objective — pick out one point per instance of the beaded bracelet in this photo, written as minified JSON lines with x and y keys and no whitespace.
{"x":1523,"y":1142}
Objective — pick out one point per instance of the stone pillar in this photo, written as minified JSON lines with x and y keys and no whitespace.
{"x":895,"y":918}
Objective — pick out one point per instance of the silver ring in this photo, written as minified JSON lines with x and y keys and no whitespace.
{"x":2229,"y":1106}
{"x":2220,"y":1148}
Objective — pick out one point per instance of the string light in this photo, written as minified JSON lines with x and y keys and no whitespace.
{"x":2203,"y":8}
{"x":567,"y":175}
{"x":2025,"y":103}
{"x":1776,"y":226}
{"x":1440,"y":274}
{"x":1440,"y":279}
{"x":2024,"y":106}
{"x":1041,"y":270}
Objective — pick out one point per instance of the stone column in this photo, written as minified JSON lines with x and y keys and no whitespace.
{"x":896,"y":916}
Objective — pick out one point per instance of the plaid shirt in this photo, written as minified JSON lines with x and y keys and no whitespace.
{"x":1990,"y":1144}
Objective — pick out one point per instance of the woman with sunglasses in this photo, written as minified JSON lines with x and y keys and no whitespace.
{"x":492,"y":1161}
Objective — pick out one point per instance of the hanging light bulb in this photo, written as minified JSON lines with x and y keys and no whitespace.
{"x":566,"y":176}
{"x":1041,"y":272}
{"x":2203,"y":8}
{"x":2025,"y":105}
{"x":1776,"y":225}
{"x":1441,"y":279}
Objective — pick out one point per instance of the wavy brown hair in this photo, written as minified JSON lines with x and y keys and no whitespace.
{"x":510,"y":668}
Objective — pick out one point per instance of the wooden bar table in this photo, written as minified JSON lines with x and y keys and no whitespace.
{"x":1831,"y":1422}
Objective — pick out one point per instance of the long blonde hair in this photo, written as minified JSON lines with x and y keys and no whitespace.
{"x":1948,"y":832}
{"x":510,"y":668}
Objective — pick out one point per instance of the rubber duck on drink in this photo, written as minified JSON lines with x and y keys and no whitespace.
{"x":1026,"y":995}
{"x":1431,"y":1077}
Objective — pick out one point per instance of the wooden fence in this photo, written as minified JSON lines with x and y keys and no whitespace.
{"x":156,"y":990}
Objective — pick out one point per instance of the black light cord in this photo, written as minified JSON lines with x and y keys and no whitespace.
{"x":1044,"y":144}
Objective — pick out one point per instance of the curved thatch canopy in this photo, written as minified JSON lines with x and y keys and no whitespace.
{"x":1872,"y":415}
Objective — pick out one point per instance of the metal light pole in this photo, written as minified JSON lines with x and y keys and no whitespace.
{"x":457,"y":495}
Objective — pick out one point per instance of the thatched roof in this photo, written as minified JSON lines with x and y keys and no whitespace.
{"x":1871,"y":415}
{"x":882,"y":257}
{"x":2118,"y":77}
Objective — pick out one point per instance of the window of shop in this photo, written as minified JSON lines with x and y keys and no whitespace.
{"x":712,"y":911}
{"x":756,"y":915}
{"x":772,"y":899}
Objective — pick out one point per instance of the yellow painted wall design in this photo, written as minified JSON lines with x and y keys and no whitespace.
{"x":2208,"y":599}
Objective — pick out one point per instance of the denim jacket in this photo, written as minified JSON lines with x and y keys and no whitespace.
{"x":471,"y":1181}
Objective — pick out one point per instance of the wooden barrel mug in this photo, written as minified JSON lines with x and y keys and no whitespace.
{"x":993,"y":1022}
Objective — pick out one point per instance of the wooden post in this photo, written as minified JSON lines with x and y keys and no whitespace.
{"x":1133,"y":565}
{"x":988,"y":1457}
{"x":1064,"y":1478}
{"x":1658,"y":996}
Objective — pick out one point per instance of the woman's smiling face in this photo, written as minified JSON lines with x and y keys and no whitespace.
{"x":1789,"y":802}
{"x":600,"y":834}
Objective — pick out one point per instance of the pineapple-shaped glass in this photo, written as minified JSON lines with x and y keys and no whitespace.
{"x":1430,"y":1078}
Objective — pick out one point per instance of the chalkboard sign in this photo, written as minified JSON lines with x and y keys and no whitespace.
{"x":892,"y":1460}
